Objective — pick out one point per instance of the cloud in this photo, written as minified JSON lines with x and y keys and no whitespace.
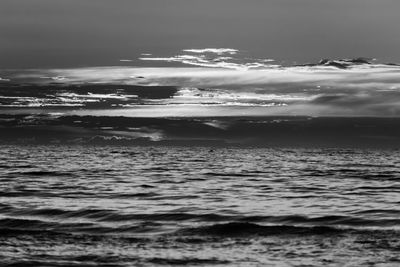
{"x":195,"y":96}
{"x":219,"y":51}
{"x":347,"y":87}
{"x":214,"y":58}
{"x":200,"y":61}
{"x":283,"y":79}
{"x":55,"y":78}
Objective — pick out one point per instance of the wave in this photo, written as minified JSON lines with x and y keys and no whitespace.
{"x":245,"y":228}
{"x":114,"y":261}
{"x":186,"y":226}
{"x":186,"y":261}
{"x":18,"y":226}
{"x":11,"y":232}
{"x":13,"y":226}
{"x":365,"y":174}
{"x":43,"y":173}
{"x":111,"y":215}
{"x":360,"y":219}
{"x":218,"y":174}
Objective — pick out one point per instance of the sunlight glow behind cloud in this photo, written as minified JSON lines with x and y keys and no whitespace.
{"x":348,"y":87}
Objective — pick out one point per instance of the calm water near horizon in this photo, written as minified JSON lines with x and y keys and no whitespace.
{"x":180,"y":206}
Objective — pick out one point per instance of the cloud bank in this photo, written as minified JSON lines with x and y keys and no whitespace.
{"x":219,"y":82}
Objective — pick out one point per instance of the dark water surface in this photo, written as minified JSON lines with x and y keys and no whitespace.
{"x":170,"y":206}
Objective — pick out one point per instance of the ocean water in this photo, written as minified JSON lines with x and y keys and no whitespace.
{"x":197,"y":206}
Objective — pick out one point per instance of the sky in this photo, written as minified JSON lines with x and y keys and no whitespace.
{"x":87,"y":33}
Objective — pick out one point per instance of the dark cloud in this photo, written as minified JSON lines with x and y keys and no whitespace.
{"x":234,"y":131}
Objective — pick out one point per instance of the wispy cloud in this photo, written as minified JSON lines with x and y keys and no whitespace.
{"x":218,"y":51}
{"x":214,"y":58}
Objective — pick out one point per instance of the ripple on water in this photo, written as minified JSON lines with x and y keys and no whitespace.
{"x":176,"y":206}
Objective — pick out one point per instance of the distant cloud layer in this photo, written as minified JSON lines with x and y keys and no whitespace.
{"x":225,"y":83}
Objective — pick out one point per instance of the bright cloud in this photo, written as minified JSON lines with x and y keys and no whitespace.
{"x":216,"y":59}
{"x":218,"y":51}
{"x":350,"y":87}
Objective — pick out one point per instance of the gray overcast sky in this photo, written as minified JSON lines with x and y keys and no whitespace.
{"x":73,"y":33}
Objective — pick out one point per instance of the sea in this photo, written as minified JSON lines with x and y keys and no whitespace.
{"x":110,"y":205}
